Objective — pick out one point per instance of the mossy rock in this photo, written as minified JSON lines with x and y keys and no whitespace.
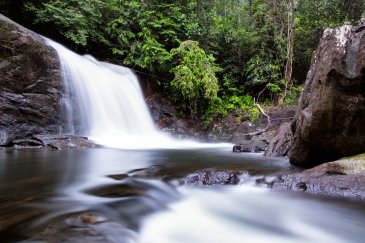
{"x":352,"y":165}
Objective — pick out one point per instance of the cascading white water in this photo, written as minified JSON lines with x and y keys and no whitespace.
{"x":251,"y":215}
{"x":107,"y":104}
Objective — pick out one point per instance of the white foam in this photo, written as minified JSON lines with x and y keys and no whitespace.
{"x":251,"y":215}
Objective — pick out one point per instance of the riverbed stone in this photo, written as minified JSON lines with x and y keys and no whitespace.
{"x":30,"y":84}
{"x":60,"y":142}
{"x":210,"y":177}
{"x":330,"y":123}
{"x":341,"y":178}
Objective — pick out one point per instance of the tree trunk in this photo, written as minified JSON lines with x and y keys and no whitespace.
{"x":290,"y":49}
{"x":198,"y":9}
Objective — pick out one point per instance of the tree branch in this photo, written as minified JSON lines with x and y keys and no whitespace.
{"x":268,"y":121}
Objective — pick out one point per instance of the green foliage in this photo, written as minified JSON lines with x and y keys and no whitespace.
{"x":293,"y":95}
{"x":265,"y":76}
{"x":141,"y":33}
{"x":144,"y":33}
{"x":260,"y":71}
{"x":195,"y":74}
{"x":220,"y":107}
{"x":254,"y":113}
{"x":248,"y":39}
{"x":78,"y":20}
{"x":312,"y":18}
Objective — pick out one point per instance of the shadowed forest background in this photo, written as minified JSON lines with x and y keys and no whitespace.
{"x":208,"y":57}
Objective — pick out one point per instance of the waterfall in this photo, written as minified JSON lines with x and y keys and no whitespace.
{"x":104,"y":102}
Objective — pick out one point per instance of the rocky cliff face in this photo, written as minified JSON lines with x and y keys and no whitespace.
{"x":30,"y":84}
{"x":331,"y":120}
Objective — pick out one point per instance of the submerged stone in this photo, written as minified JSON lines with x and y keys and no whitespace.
{"x":85,"y":227}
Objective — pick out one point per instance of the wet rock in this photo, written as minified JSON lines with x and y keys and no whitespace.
{"x":57,"y":142}
{"x":345,"y":186}
{"x":218,"y":177}
{"x":119,"y":177}
{"x":230,"y":129}
{"x":170,"y":175}
{"x":244,"y":128}
{"x":331,"y":117}
{"x":125,"y":189}
{"x":166,"y":119}
{"x":30,"y":84}
{"x":60,"y":142}
{"x":342,"y":178}
{"x":26,"y":143}
{"x":280,"y":145}
{"x":266,"y":181}
{"x":209,"y":177}
{"x":161,"y":112}
{"x":255,"y":144}
{"x":241,"y":148}
{"x":235,"y":127}
{"x":247,"y":135}
{"x":250,"y":143}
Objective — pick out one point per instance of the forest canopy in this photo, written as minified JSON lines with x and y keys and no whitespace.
{"x":216,"y":56}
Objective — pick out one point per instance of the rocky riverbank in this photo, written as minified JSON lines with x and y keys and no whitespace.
{"x":57,"y":142}
{"x":233,"y":129}
{"x":344,"y":178}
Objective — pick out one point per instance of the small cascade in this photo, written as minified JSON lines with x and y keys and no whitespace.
{"x":253,"y":215}
{"x":104,"y":102}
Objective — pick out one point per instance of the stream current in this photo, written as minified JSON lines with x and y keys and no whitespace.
{"x":39,"y":188}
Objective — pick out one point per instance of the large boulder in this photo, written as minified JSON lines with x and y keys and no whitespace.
{"x":330,"y":122}
{"x":30,"y":84}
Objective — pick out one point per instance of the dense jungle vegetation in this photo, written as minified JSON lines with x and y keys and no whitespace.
{"x":210,"y":57}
